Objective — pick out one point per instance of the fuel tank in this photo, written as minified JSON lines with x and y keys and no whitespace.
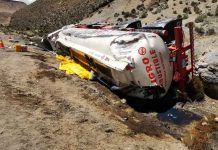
{"x":136,"y":62}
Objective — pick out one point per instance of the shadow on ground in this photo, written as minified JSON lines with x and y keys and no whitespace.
{"x":155,"y":105}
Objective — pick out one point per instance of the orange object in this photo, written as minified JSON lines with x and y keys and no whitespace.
{"x":2,"y":46}
{"x":18,"y":48}
{"x":21,"y":48}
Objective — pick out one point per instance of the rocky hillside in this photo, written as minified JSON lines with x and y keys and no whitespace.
{"x":47,"y":15}
{"x":7,"y":8}
{"x":203,"y":12}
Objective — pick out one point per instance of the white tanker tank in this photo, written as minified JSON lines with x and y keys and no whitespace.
{"x":136,"y":63}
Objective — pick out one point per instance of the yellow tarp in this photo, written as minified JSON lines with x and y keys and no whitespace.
{"x":71,"y":67}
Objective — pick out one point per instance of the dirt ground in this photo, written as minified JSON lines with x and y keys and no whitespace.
{"x":42,"y":108}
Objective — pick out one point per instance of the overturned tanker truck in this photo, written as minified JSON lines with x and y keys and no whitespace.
{"x":141,"y":61}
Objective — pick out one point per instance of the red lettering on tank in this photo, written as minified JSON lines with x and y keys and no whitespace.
{"x":154,"y":81}
{"x":145,"y":61}
{"x":151,"y":75}
{"x":150,"y":68}
{"x":157,"y":66}
{"x":155,"y":61}
{"x":152,"y":52}
{"x":159,"y":72}
{"x":160,"y":76}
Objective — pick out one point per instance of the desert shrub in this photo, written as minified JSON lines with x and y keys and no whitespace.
{"x":174,"y":12}
{"x":214,"y":1}
{"x":185,"y":16}
{"x":132,"y":14}
{"x":197,"y":10}
{"x":120,"y":19}
{"x":209,"y":14}
{"x":200,"y":30}
{"x":116,"y":14}
{"x":216,"y":11}
{"x":156,"y":4}
{"x":141,"y":7}
{"x":200,"y":18}
{"x":143,"y":15}
{"x":179,"y":16}
{"x":126,"y":14}
{"x":187,"y":10}
{"x":164,"y":6}
{"x":133,"y":11}
{"x":210,"y":31}
{"x":158,"y":18}
{"x":151,"y":8}
{"x":180,"y":2}
{"x":194,"y":4}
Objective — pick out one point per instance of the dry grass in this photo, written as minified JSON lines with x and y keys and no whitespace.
{"x":200,"y":134}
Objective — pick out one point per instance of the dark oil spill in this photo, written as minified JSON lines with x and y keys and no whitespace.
{"x":165,"y":107}
{"x":178,"y":116}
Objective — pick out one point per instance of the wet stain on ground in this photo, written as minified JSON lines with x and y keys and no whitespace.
{"x":21,"y":98}
{"x":37,"y":57}
{"x":138,"y":123}
{"x":45,"y":66}
{"x":50,"y":74}
{"x":178,"y":116}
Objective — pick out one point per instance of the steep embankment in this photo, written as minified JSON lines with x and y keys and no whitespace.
{"x":47,"y":15}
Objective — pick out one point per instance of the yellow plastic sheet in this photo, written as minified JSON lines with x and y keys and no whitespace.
{"x":71,"y":67}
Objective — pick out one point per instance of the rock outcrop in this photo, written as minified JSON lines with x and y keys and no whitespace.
{"x":207,"y":68}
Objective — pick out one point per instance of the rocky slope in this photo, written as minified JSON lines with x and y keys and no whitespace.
{"x":47,"y":15}
{"x":203,"y":12}
{"x":7,"y":8}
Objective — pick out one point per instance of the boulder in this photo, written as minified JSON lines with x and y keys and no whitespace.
{"x":207,"y":68}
